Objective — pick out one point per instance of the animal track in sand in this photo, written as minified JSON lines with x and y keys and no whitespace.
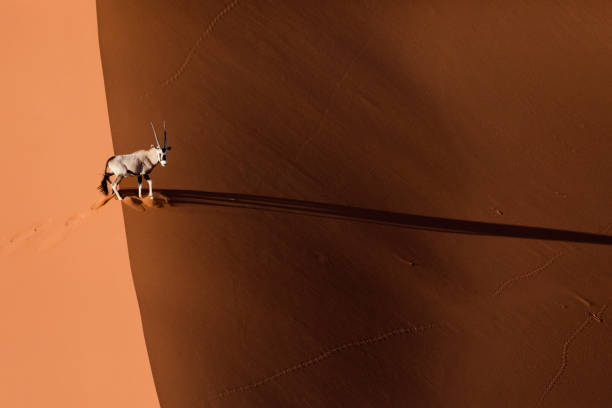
{"x":49,"y":233}
{"x":145,"y":204}
{"x":325,"y":355}
{"x":23,"y":237}
{"x":61,"y":232}
{"x":590,"y":317}
{"x":207,"y":31}
{"x":540,"y":268}
{"x":527,"y":275}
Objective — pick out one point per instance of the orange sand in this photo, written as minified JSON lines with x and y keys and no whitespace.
{"x":71,"y":334}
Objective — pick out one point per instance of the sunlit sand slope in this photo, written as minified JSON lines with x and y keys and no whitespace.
{"x":70,"y":332}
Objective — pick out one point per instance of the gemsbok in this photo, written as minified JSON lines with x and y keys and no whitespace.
{"x":139,"y":163}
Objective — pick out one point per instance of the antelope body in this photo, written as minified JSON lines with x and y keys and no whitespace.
{"x":139,"y":164}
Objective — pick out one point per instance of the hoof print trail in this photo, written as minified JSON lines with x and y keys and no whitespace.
{"x":590,"y":316}
{"x":174,"y":76}
{"x":534,"y":272}
{"x":325,"y":355}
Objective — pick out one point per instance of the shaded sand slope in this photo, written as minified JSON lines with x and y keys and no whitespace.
{"x":70,"y":329}
{"x":492,"y":112}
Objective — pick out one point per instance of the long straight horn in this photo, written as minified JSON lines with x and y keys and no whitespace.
{"x":155,"y":134}
{"x":165,"y":135}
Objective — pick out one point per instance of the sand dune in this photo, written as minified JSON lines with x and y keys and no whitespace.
{"x":292,"y":124}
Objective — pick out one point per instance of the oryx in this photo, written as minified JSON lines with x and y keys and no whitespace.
{"x":139,"y":163}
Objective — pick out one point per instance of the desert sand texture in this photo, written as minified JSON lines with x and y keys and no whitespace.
{"x":338,"y":182}
{"x":71,"y":334}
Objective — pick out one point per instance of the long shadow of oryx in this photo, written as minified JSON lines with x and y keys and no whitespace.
{"x":395,"y":219}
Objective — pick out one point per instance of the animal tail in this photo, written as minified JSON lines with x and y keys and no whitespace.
{"x":103,"y":187}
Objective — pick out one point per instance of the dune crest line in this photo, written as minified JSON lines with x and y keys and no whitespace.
{"x":325,"y":355}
